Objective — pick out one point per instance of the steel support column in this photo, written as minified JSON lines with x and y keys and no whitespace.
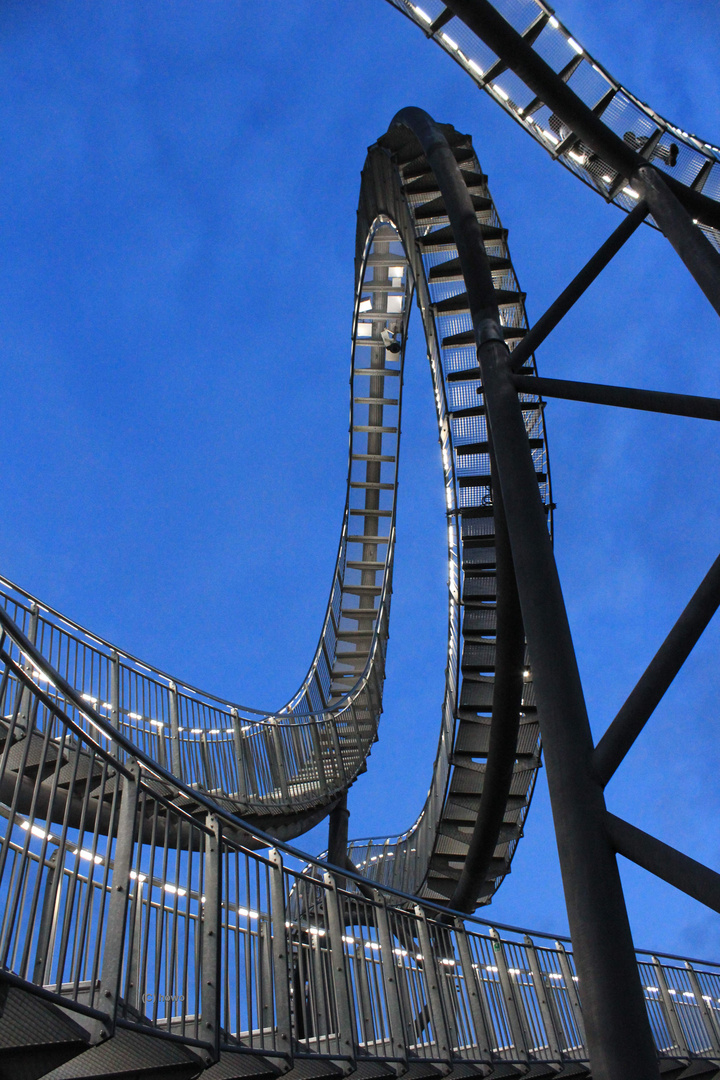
{"x":618,"y":1032}
{"x":693,"y":247}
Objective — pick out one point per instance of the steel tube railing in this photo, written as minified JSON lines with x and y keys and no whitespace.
{"x":116,"y":905}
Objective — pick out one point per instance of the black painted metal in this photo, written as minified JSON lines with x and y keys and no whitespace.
{"x":560,"y":307}
{"x":695,"y":250}
{"x":618,"y":1032}
{"x":507,"y":699}
{"x":520,"y":57}
{"x":665,"y":862}
{"x":660,"y":672}
{"x":624,"y":397}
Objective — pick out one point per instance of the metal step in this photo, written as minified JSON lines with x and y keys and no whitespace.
{"x":418,"y":166}
{"x":450,"y":270}
{"x":459,"y":304}
{"x":36,"y":1037}
{"x":426,"y":184}
{"x":131,"y":1054}
{"x":443,"y":238}
{"x":435,"y":208}
{"x":241,"y":1065}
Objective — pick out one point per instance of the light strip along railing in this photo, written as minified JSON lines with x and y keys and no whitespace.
{"x":398,"y":187}
{"x":132,"y":914}
{"x":690,"y":164}
{"x":283,"y":769}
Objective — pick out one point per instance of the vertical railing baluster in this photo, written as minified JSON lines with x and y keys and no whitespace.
{"x":212,"y":937}
{"x":280,"y":957}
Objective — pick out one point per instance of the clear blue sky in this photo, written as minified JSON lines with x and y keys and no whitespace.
{"x":178,"y":186}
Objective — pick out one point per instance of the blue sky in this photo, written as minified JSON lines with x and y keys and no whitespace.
{"x":178,"y":187}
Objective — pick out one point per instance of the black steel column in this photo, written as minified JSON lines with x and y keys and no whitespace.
{"x":618,"y":1032}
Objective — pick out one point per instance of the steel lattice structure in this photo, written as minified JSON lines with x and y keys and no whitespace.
{"x":156,"y":920}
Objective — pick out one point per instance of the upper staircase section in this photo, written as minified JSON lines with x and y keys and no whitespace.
{"x":543,"y":77}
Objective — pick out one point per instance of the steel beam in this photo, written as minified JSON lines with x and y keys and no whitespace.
{"x":658,"y":676}
{"x":686,"y":874}
{"x":623,"y":397}
{"x":618,"y":1032}
{"x":560,"y":307}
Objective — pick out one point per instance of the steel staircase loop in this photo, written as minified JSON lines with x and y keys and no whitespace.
{"x":283,"y":772}
{"x":151,"y":928}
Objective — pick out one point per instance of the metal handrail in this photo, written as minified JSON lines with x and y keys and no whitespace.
{"x":316,"y":970}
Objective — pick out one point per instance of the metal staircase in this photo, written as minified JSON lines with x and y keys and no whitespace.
{"x":156,"y":923}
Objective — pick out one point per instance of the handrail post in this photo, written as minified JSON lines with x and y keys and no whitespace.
{"x":340,"y":989}
{"x":398,"y":1041}
{"x":239,"y":763}
{"x":475,"y":1001}
{"x":546,"y":1005}
{"x":668,"y":1006}
{"x":211,"y":968}
{"x":318,"y":754}
{"x":48,"y":914}
{"x":26,"y":694}
{"x":508,"y":992}
{"x":280,"y":956}
{"x":571,"y":987}
{"x":332,"y":724}
{"x":115,"y":689}
{"x":438,"y":1019}
{"x":114,"y":950}
{"x":133,"y":997}
{"x":276,"y":758}
{"x":175,"y":760}
{"x":705,"y":1012}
